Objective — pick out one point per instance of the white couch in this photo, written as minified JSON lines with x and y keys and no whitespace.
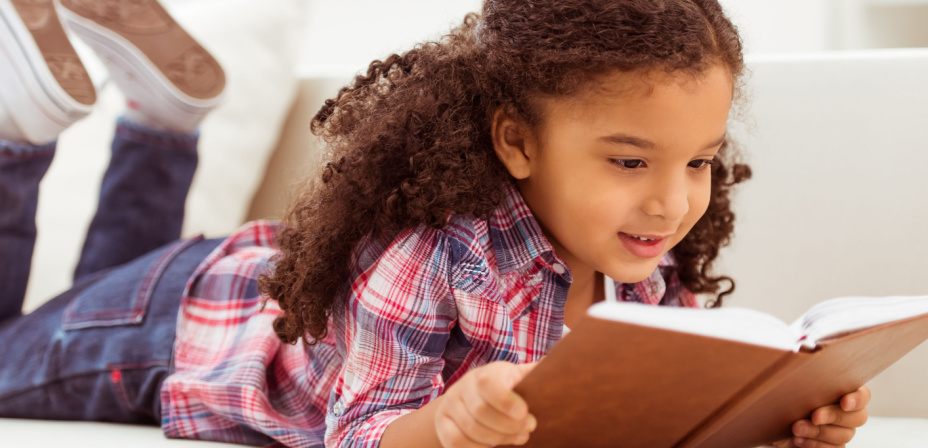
{"x":837,"y":207}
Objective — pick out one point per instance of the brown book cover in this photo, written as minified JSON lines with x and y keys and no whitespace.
{"x":611,"y":383}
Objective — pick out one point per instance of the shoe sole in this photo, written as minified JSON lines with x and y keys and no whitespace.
{"x":139,"y":39}
{"x":35,"y":53}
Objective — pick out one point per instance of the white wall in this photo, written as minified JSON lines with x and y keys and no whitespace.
{"x":778,"y":26}
{"x":350,"y":34}
{"x":344,"y":34}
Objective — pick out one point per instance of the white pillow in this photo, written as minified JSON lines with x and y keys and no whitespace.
{"x":253,"y":41}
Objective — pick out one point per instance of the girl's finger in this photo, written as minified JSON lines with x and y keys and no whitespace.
{"x":450,"y":434}
{"x":837,"y":435}
{"x":857,"y":400}
{"x":834,"y":415}
{"x":495,"y":387}
{"x":479,"y":432}
{"x":482,"y":411}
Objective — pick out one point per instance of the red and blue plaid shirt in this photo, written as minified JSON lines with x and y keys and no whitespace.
{"x":422,"y":310}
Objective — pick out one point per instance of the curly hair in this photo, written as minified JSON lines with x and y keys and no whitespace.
{"x":408,"y":143}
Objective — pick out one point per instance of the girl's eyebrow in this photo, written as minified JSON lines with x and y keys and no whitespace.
{"x":626,"y":139}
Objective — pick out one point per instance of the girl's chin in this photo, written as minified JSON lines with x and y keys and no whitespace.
{"x":636,"y":273}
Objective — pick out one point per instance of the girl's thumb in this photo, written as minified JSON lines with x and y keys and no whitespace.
{"x":521,"y":370}
{"x":527,"y":367}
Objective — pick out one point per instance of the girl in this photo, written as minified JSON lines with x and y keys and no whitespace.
{"x":481,"y":192}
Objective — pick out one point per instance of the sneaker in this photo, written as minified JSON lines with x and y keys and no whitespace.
{"x":44,"y":87}
{"x":170,"y":81}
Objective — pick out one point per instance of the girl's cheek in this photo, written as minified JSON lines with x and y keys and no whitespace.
{"x":700,"y":201}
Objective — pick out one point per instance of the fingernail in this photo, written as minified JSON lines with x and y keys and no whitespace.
{"x":851,"y":404}
{"x":532,"y":423}
{"x":522,"y":440}
{"x":798,"y":441}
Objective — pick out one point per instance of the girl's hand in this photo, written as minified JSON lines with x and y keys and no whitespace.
{"x":481,"y":410}
{"x":831,"y":426}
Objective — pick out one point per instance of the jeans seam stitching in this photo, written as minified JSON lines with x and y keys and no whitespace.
{"x":58,"y":380}
{"x":148,"y":283}
{"x":75,"y":321}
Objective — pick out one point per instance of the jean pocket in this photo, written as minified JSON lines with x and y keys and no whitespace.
{"x":122,"y":296}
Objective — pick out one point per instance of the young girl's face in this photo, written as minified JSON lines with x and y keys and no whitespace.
{"x":617,"y":175}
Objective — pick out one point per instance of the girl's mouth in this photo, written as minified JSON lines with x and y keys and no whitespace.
{"x":644,"y":246}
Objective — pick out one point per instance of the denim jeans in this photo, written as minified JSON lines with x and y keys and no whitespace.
{"x":100,"y":350}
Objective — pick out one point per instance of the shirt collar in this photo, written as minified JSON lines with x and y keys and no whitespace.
{"x":651,"y":290}
{"x":517,"y":238}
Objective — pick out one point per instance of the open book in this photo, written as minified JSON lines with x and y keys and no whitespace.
{"x":635,"y":375}
{"x":823,"y":321}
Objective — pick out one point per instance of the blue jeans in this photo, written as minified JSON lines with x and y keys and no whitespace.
{"x":100,"y":350}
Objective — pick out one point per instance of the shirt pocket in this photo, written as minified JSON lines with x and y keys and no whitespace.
{"x":121,"y":297}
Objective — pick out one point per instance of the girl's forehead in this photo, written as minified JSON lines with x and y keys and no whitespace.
{"x":666,"y":110}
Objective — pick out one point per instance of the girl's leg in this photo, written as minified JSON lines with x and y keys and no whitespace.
{"x":141,"y":205}
{"x":22,"y":166}
{"x":170,"y":83}
{"x":101,"y":350}
{"x":43,"y":89}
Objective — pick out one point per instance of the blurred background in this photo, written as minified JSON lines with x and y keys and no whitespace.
{"x":348,"y":34}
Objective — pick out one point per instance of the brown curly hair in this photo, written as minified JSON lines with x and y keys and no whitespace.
{"x":409,"y":144}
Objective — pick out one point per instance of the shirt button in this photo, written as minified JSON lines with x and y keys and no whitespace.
{"x":338,"y":408}
{"x":559,"y":268}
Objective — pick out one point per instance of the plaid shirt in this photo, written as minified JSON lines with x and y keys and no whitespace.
{"x":422,"y":310}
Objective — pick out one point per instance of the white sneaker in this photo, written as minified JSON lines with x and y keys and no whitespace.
{"x":44,"y":87}
{"x":169,"y":80}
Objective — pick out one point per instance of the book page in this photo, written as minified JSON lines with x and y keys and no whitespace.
{"x":736,"y":324}
{"x":838,"y":316}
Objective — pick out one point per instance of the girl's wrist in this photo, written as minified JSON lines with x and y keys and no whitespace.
{"x":415,"y":429}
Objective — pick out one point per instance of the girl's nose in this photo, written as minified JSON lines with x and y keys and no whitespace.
{"x":668,"y":198}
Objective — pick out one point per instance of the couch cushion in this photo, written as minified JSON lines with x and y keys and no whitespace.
{"x":877,"y":433}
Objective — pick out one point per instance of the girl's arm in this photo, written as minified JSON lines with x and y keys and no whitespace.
{"x":414,"y":430}
{"x":391,"y":389}
{"x":480,"y":410}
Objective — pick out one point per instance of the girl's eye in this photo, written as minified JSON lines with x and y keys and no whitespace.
{"x":701,"y":164}
{"x":628,"y":164}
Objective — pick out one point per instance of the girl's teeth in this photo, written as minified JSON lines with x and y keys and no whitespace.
{"x":640,"y":238}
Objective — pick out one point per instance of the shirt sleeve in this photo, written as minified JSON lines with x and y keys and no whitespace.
{"x":397,"y":321}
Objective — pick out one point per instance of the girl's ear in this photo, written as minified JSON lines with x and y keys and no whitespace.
{"x":513,"y":143}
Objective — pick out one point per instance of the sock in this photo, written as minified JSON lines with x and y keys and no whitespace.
{"x":134,"y":114}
